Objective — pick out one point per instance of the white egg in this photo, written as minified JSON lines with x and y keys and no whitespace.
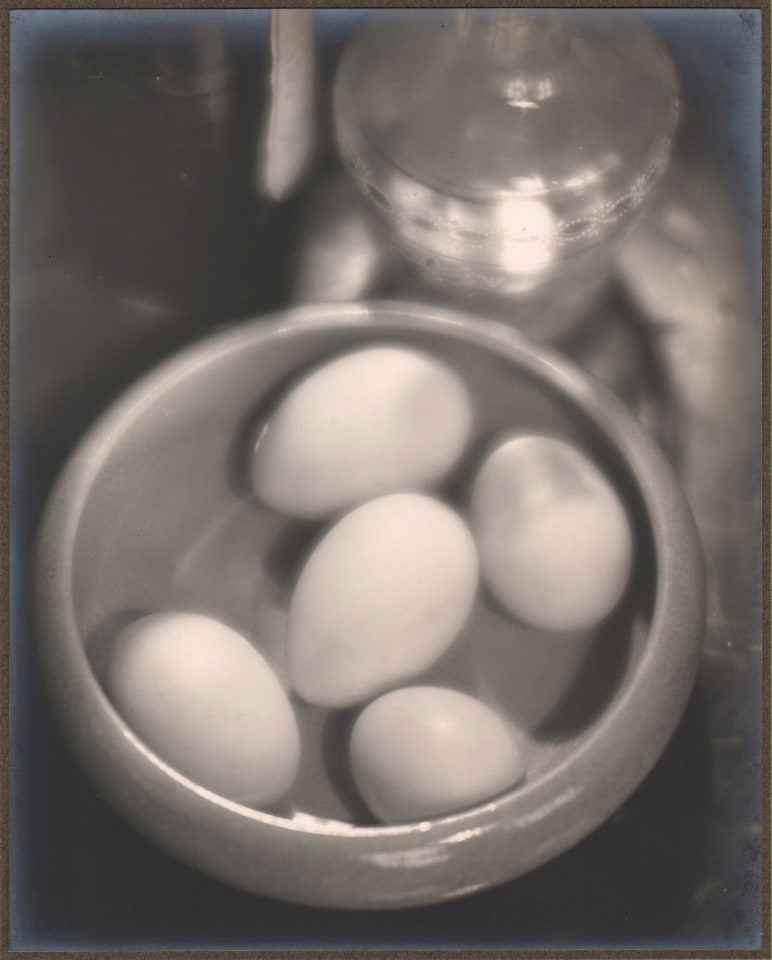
{"x":423,"y":752}
{"x":375,"y":421}
{"x":207,"y":702}
{"x":382,"y":596}
{"x":555,"y":541}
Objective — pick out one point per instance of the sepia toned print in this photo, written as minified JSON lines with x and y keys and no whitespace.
{"x":386,"y":468}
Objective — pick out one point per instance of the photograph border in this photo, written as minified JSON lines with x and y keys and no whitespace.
{"x":6,"y":493}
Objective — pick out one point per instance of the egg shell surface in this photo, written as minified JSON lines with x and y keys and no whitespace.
{"x":380,"y":599}
{"x":375,"y":421}
{"x":208,"y":703}
{"x":422,"y":752}
{"x":555,"y":541}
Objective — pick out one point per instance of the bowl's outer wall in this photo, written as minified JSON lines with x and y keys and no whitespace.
{"x":418,"y":863}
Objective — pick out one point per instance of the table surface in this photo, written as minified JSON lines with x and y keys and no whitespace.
{"x":101,"y":156}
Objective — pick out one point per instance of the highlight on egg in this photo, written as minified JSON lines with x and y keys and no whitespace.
{"x":207,"y":702}
{"x":382,"y":596}
{"x":422,"y":752}
{"x":377,"y":420}
{"x":554,"y":537}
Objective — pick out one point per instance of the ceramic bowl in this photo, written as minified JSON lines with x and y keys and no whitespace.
{"x":154,"y":512}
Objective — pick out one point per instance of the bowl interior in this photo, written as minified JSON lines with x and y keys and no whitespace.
{"x":169,"y":522}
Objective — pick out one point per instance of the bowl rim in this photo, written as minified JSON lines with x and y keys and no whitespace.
{"x":645,"y":714}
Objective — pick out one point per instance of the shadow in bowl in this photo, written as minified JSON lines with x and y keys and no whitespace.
{"x":336,"y":735}
{"x":289,"y":551}
{"x":597,"y":678}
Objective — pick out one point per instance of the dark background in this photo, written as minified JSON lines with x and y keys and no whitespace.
{"x":96,"y":149}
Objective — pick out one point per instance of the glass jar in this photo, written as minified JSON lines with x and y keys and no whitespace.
{"x":508,"y":151}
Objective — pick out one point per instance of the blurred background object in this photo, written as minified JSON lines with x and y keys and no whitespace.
{"x":143,"y":215}
{"x":342,"y":252}
{"x":288,"y":131}
{"x":509,"y":151}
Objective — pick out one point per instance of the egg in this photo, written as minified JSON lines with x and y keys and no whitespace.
{"x":422,"y":752}
{"x":378,"y":420}
{"x":380,"y":599}
{"x":207,"y":703}
{"x":554,"y":538}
